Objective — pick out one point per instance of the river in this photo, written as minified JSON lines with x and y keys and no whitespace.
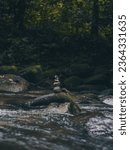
{"x":36,"y":129}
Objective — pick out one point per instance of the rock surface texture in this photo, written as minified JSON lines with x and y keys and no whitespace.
{"x":12,"y":83}
{"x":59,"y":99}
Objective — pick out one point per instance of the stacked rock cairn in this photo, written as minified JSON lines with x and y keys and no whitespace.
{"x":56,"y":85}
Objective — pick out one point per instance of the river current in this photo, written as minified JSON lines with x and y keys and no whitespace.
{"x":36,"y":129}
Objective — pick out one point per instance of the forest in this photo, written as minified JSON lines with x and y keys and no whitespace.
{"x":71,"y":38}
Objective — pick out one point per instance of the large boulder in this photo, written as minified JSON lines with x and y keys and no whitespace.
{"x":58,"y":98}
{"x":12,"y":83}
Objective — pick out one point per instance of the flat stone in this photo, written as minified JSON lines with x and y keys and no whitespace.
{"x":59,"y":98}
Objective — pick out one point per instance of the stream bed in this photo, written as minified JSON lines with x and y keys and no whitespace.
{"x":36,"y":129}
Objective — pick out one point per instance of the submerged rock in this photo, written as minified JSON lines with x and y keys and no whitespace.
{"x":50,"y":98}
{"x":13,"y":83}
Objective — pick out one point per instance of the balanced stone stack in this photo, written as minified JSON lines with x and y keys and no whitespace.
{"x":56,"y":84}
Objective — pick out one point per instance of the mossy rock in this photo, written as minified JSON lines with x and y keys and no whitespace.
{"x":33,"y":73}
{"x":80,"y":70}
{"x":72,"y":82}
{"x":13,"y":83}
{"x":8,"y":69}
{"x":33,"y":69}
{"x":52,"y":98}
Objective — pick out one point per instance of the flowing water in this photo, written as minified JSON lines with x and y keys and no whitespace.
{"x":36,"y":129}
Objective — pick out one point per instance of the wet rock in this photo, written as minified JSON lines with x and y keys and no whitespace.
{"x":13,"y":83}
{"x":106,"y":96}
{"x":107,"y":99}
{"x":58,"y":108}
{"x":59,"y":98}
{"x":46,"y":100}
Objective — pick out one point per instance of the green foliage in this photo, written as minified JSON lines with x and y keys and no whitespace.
{"x":33,"y":69}
{"x":8,"y":69}
{"x":41,"y":31}
{"x":21,"y":50}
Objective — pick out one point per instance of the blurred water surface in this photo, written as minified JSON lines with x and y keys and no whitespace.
{"x":36,"y":129}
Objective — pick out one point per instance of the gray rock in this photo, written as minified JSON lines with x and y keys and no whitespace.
{"x":13,"y":83}
{"x":58,"y":108}
{"x":59,"y":98}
